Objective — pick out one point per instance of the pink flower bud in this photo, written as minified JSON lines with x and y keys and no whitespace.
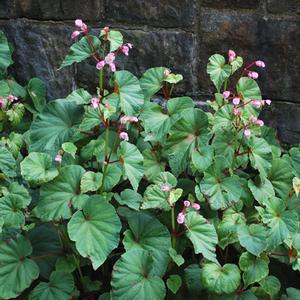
{"x":129,"y":45}
{"x":253,"y":75}
{"x":259,"y":122}
{"x":106,"y":29}
{"x":196,"y":206}
{"x":231,"y":55}
{"x":95,"y":103}
{"x":236,"y":111}
{"x":58,"y":158}
{"x":247,"y":132}
{"x":253,"y":119}
{"x":236,"y":100}
{"x":100,"y":65}
{"x":2,"y":101}
{"x":124,"y":120}
{"x":165,"y":188}
{"x":112,"y":67}
{"x":79,"y":23}
{"x":12,"y":98}
{"x":256,"y":103}
{"x":167,"y":72}
{"x":268,"y":101}
{"x":133,"y":119}
{"x":180,"y":218}
{"x":260,"y":63}
{"x":124,"y":136}
{"x":75,"y":34}
{"x":226,"y":94}
{"x":186,"y":203}
{"x":125,"y":50}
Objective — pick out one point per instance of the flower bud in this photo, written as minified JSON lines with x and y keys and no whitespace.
{"x":124,"y":136}
{"x":196,"y":206}
{"x":260,"y":63}
{"x":247,"y":132}
{"x":180,"y":218}
{"x":226,"y":94}
{"x":186,"y":203}
{"x":236,"y":100}
{"x":165,"y":188}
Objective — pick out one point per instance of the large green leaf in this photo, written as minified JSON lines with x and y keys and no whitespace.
{"x":254,"y":268}
{"x":95,"y":230}
{"x":7,"y":162}
{"x":90,"y":182}
{"x":295,"y":160}
{"x":80,"y":51}
{"x":115,"y":38}
{"x":248,"y":89}
{"x":282,"y":223}
{"x":5,"y":53}
{"x":218,"y":70}
{"x":90,"y":120}
{"x":132,"y":161}
{"x":202,"y":234}
{"x":186,"y":134}
{"x":152,"y":81}
{"x":54,"y":126}
{"x":221,"y":280}
{"x":59,"y":287}
{"x":17,"y":271}
{"x":253,"y":238}
{"x":58,"y":196}
{"x":192,"y":275}
{"x":152,"y":164}
{"x":112,"y":178}
{"x":37,"y":91}
{"x":148,"y":233}
{"x":130,"y":198}
{"x":38,"y":168}
{"x":130,"y":93}
{"x":260,"y":155}
{"x":80,"y":96}
{"x":261,"y":190}
{"x":134,"y":277}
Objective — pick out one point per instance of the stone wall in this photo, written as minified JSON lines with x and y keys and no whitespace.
{"x":180,"y":34}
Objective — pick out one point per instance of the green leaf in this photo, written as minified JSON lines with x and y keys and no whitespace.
{"x":7,"y":162}
{"x":177,"y":258}
{"x":253,"y":238}
{"x":260,"y":155}
{"x":80,"y":96}
{"x":152,"y":165}
{"x":192,"y":275}
{"x":95,"y":230}
{"x":15,"y":143}
{"x":221,"y":280}
{"x":17,"y":271}
{"x":292,"y":294}
{"x":92,"y":148}
{"x":147,"y":233}
{"x":202,"y":234}
{"x":58,"y":196}
{"x":154,"y":197}
{"x":271,"y":285}
{"x":37,"y":91}
{"x":112,"y":178}
{"x":116,"y":39}
{"x":90,"y":120}
{"x":129,"y":91}
{"x":15,"y":114}
{"x":261,"y":190}
{"x":90,"y":182}
{"x":80,"y":51}
{"x":295,"y":160}
{"x":202,"y":157}
{"x":248,"y":89}
{"x":133,"y":277}
{"x":55,"y":125}
{"x":5,"y":53}
{"x":174,"y":283}
{"x":69,"y":148}
{"x":152,"y":81}
{"x":60,"y":286}
{"x":186,"y":134}
{"x":38,"y":168}
{"x":282,"y":223}
{"x":132,"y":161}
{"x":223,"y":120}
{"x":173,"y":78}
{"x":254,"y":268}
{"x":218,"y":70}
{"x":130,"y":198}
{"x":236,"y":64}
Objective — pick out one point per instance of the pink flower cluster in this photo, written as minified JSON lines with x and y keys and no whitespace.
{"x":9,"y":99}
{"x":80,"y":25}
{"x":182,"y":214}
{"x":122,"y":134}
{"x":259,"y":103}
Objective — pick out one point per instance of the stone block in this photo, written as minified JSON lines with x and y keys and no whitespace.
{"x":163,"y":13}
{"x":39,"y":49}
{"x":281,"y":7}
{"x":272,"y":40}
{"x":231,"y":4}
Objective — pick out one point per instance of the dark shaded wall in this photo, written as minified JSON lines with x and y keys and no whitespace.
{"x":180,"y":34}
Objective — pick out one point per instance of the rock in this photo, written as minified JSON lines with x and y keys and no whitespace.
{"x":272,"y":40}
{"x":286,"y":6}
{"x":163,"y":13}
{"x":232,"y":4}
{"x":39,"y":50}
{"x":7,"y":9}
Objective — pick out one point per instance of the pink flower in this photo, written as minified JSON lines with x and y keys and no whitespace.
{"x":125,"y":48}
{"x":256,"y":103}
{"x":79,"y":23}
{"x":236,"y":111}
{"x":236,"y":100}
{"x":95,"y":103}
{"x":100,"y":65}
{"x":186,"y":203}
{"x":180,"y":218}
{"x":133,"y":119}
{"x":124,"y":120}
{"x":247,"y":132}
{"x":259,"y":122}
{"x":58,"y":158}
{"x":226,"y":94}
{"x":167,"y":72}
{"x":253,"y":119}
{"x":75,"y":34}
{"x":260,"y":63}
{"x":2,"y":101}
{"x":268,"y":101}
{"x":109,"y":60}
{"x":196,"y":206}
{"x":231,"y":55}
{"x":106,"y":29}
{"x":124,"y":136}
{"x":165,"y":188}
{"x":12,"y":98}
{"x":253,"y":75}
